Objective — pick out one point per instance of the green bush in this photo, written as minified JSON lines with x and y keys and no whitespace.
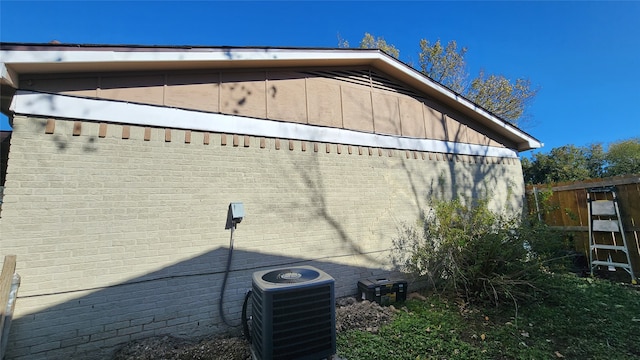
{"x":463,"y":246}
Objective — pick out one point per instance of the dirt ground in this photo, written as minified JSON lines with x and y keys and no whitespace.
{"x":350,"y":315}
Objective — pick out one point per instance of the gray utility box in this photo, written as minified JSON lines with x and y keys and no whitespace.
{"x":382,"y":290}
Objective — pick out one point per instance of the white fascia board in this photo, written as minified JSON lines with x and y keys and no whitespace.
{"x":135,"y":55}
{"x":8,"y":76}
{"x":61,"y":106}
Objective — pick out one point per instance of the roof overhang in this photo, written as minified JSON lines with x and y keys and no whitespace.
{"x":18,"y":58}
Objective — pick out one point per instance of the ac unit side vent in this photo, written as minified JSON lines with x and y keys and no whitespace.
{"x":300,"y":334}
{"x":302,"y":350}
{"x":257,"y":316}
{"x":300,"y":311}
{"x":300,"y":327}
{"x":289,"y":318}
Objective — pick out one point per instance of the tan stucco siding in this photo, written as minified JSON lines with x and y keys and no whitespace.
{"x":322,"y":97}
{"x":357,"y":108}
{"x":193,"y":91}
{"x":386,"y":113}
{"x":119,"y":239}
{"x":286,"y":97}
{"x":412,"y":117}
{"x":355,"y":103}
{"x":243,"y":93}
{"x":146,"y":89}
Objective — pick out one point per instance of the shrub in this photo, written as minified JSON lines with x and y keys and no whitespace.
{"x":463,"y":246}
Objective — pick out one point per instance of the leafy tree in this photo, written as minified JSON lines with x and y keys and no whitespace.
{"x":342,"y":42}
{"x":565,"y":163}
{"x":527,"y":169}
{"x":569,"y":163}
{"x":595,"y":160}
{"x":446,"y":64}
{"x":500,"y":96}
{"x":573,"y":163}
{"x":623,"y":157}
{"x":371,"y":42}
{"x":495,"y":93}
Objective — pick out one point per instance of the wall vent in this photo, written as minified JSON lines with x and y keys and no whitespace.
{"x":293,"y":314}
{"x":366,"y":77}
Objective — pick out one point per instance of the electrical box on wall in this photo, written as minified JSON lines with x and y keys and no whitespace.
{"x":235,"y":214}
{"x":237,"y":210}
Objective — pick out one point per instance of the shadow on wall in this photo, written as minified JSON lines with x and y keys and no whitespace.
{"x":246,"y":93}
{"x":467,"y":176}
{"x":181,"y":300}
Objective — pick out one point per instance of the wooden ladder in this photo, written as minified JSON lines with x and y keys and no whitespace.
{"x":604,"y":217}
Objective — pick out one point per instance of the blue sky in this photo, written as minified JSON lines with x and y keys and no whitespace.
{"x":583,"y":56}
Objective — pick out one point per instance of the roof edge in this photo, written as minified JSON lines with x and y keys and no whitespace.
{"x":24,"y":57}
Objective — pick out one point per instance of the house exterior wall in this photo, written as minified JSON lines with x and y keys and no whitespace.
{"x":356,"y":99}
{"x":119,"y":230}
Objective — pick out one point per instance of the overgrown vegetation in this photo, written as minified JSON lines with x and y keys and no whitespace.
{"x":461,"y":246}
{"x":498,"y":291}
{"x":575,"y":163}
{"x":581,"y":318}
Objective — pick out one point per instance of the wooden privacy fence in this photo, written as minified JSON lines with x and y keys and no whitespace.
{"x":564,"y":206}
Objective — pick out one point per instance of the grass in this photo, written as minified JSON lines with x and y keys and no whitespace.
{"x":578,"y":318}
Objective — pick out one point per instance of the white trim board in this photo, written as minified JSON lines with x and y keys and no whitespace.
{"x":62,"y":106}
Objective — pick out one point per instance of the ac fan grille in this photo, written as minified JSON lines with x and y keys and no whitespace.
{"x":302,"y":322}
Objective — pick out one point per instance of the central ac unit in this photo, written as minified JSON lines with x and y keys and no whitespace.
{"x":293,"y":314}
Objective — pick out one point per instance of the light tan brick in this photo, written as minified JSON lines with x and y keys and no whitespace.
{"x":134,"y":210}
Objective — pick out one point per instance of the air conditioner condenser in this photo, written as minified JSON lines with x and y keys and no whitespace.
{"x":293,"y":314}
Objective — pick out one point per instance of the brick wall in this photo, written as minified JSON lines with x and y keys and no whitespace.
{"x":119,"y":231}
